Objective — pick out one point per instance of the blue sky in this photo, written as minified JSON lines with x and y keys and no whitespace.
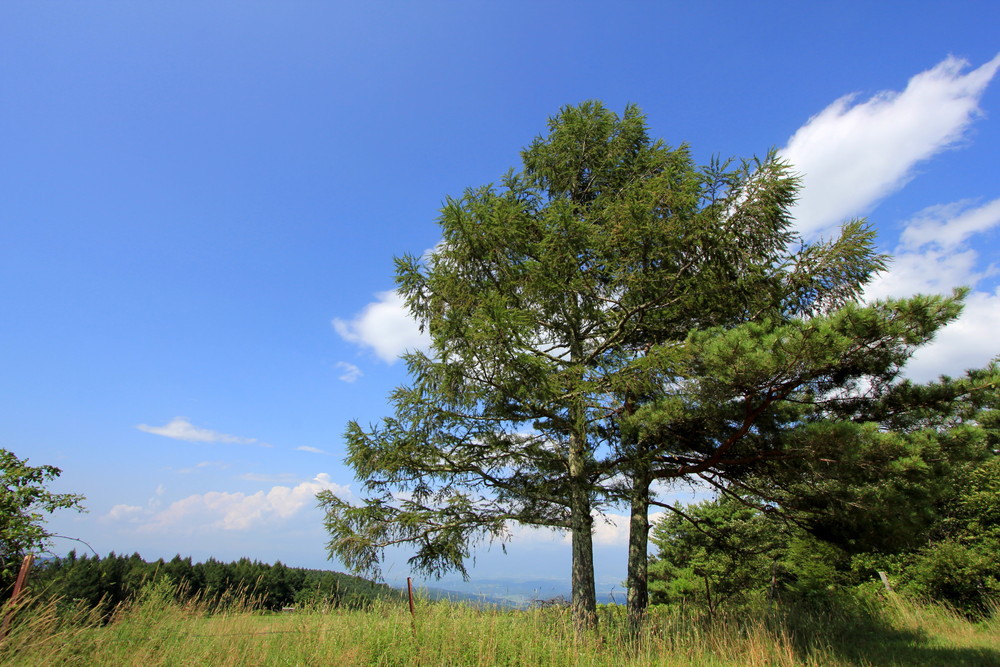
{"x":200,"y":203}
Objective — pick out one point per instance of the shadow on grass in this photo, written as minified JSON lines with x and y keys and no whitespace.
{"x":890,"y":631}
{"x":883,"y":630}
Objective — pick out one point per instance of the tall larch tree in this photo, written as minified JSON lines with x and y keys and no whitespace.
{"x":599,"y":321}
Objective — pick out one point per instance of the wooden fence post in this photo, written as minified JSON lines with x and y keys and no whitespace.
{"x":19,"y":586}
{"x":413,"y":614}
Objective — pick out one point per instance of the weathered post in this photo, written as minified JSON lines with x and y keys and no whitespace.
{"x":413,"y":614}
{"x":19,"y":586}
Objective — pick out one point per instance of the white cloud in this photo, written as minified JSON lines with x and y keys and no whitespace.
{"x":852,"y":154}
{"x":609,"y":530}
{"x":969,"y":342}
{"x":220,"y":510}
{"x":307,"y":448}
{"x":180,"y":428}
{"x":934,"y":254}
{"x":385,"y":326}
{"x":351,"y":372}
{"x":949,"y":225}
{"x":928,"y":272}
{"x":124,"y":513}
{"x":937,"y":253}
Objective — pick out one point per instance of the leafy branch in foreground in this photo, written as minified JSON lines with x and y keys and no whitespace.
{"x":24,"y":503}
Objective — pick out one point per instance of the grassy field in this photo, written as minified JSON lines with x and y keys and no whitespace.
{"x":158,"y":631}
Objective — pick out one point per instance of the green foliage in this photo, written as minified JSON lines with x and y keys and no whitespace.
{"x":962,"y":566}
{"x":157,"y":630}
{"x":728,"y":553}
{"x":536,"y":289}
{"x":966,"y":576}
{"x":715,"y":550}
{"x":106,"y":583}
{"x":920,"y":502}
{"x":24,"y":503}
{"x":610,"y":315}
{"x":885,"y":474}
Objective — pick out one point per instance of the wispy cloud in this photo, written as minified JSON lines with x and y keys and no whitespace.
{"x":179,"y":428}
{"x":351,"y":372}
{"x":124,"y":514}
{"x":852,"y":154}
{"x":220,"y":510}
{"x":201,"y":466}
{"x":385,"y":326}
{"x":313,"y":450}
{"x":949,"y":226}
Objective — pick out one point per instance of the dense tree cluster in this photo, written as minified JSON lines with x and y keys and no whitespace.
{"x":106,"y":582}
{"x":609,"y":319}
{"x":914,"y":494}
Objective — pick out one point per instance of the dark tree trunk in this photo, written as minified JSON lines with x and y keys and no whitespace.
{"x":584,"y":594}
{"x":638,"y":558}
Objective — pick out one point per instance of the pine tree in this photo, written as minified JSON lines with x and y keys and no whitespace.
{"x":608,"y":316}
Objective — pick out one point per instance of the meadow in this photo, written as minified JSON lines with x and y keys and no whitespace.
{"x":158,"y":630}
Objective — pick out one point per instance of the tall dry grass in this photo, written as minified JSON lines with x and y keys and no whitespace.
{"x":157,"y":630}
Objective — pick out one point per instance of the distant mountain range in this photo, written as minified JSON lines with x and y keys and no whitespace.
{"x":513,"y":593}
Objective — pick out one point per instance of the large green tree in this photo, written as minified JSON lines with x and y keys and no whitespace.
{"x":532,"y":292}
{"x":24,"y":503}
{"x":744,"y":401}
{"x":906,"y":484}
{"x":610,"y":312}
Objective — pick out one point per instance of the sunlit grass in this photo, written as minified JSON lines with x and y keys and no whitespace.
{"x":156,"y":630}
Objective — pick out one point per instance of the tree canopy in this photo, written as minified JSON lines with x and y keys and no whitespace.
{"x":610,"y":315}
{"x":915,"y":495}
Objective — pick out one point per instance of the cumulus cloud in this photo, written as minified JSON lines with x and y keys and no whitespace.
{"x":969,"y":342}
{"x":179,"y":428}
{"x":124,"y":513}
{"x":611,"y":529}
{"x":385,"y":326}
{"x":928,"y":272}
{"x":351,"y":372}
{"x":937,"y":252}
{"x":852,"y":154}
{"x":220,"y":510}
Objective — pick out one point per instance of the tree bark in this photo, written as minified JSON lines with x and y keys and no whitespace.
{"x":584,"y":593}
{"x":637,"y":582}
{"x":581,"y":520}
{"x":638,"y":555}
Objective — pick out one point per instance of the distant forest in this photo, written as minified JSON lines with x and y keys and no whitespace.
{"x":107,"y":582}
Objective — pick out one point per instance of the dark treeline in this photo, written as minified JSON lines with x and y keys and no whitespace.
{"x":107,"y":582}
